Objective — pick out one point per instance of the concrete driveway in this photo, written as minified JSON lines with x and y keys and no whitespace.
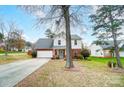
{"x":12,"y":73}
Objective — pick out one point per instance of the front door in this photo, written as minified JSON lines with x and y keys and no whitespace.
{"x":61,"y":54}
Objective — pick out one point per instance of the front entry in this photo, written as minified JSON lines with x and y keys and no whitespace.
{"x":61,"y":54}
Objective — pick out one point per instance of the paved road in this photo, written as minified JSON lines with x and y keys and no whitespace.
{"x":12,"y":73}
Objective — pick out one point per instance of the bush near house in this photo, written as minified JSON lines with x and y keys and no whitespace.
{"x":85,"y":53}
{"x":34,"y":54}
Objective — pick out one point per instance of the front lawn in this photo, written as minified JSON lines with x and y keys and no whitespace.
{"x":11,"y":52}
{"x":105,"y":60}
{"x":84,"y":74}
{"x":13,"y":57}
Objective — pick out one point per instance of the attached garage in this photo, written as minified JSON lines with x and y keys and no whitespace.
{"x":44,"y":53}
{"x":44,"y":48}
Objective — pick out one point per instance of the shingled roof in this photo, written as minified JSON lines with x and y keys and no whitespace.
{"x":75,"y":37}
{"x":44,"y":43}
{"x":110,"y":44}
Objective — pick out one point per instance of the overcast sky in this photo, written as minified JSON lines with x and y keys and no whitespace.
{"x":26,"y":22}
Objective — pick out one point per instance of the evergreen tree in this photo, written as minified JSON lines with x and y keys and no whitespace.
{"x":108,"y":20}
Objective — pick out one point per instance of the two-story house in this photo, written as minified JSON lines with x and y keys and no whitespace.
{"x":56,"y":47}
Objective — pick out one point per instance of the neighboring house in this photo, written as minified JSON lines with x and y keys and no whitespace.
{"x":122,"y":51}
{"x":96,"y":50}
{"x":26,"y":49}
{"x":56,"y":47}
{"x":2,"y":45}
{"x":105,"y":50}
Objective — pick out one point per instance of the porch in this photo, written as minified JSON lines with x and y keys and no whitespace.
{"x":60,"y":53}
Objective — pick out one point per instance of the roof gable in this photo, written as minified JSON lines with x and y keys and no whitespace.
{"x":44,"y":43}
{"x":110,"y":44}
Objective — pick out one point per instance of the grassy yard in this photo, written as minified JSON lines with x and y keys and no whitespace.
{"x":13,"y":57}
{"x":12,"y":52}
{"x":93,"y":73}
{"x":105,"y":60}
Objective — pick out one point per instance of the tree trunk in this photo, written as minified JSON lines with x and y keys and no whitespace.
{"x":117,"y":52}
{"x":116,"y":49}
{"x":69,"y":63}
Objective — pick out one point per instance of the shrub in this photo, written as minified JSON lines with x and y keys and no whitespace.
{"x":34,"y":54}
{"x":85,"y":53}
{"x":110,"y":64}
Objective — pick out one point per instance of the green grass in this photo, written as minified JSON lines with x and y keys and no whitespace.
{"x":14,"y":57}
{"x":11,"y":52}
{"x":105,"y":60}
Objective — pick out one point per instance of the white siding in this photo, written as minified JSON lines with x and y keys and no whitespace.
{"x":121,"y":53}
{"x":44,"y":53}
{"x":63,"y":43}
{"x":96,"y":50}
{"x":78,"y":46}
{"x":107,"y":53}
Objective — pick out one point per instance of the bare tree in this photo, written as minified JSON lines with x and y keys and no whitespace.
{"x":11,"y":36}
{"x":3,"y":31}
{"x":15,"y":40}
